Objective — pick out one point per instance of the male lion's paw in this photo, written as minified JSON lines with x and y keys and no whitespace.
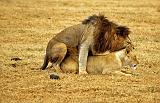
{"x":82,"y":72}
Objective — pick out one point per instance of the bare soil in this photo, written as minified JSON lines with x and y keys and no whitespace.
{"x":26,"y":26}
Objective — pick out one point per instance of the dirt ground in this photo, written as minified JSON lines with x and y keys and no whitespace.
{"x":26,"y":26}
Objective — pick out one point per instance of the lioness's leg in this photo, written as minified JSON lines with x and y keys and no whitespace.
{"x":107,"y":71}
{"x":58,"y":52}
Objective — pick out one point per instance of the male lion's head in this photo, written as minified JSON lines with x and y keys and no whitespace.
{"x":108,"y":35}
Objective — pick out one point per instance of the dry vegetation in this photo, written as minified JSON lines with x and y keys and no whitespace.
{"x":27,"y":25}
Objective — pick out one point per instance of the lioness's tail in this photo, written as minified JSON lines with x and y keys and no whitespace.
{"x":45,"y":62}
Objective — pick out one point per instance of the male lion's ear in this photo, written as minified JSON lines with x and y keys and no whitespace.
{"x":93,"y":22}
{"x":122,"y":31}
{"x":91,"y":19}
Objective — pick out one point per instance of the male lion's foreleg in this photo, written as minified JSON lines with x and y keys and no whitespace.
{"x":83,"y":55}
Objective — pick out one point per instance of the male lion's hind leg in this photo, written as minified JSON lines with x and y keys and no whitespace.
{"x":56,"y":66}
{"x":58,"y":53}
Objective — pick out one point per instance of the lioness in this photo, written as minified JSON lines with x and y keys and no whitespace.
{"x":105,"y":64}
{"x":96,"y":34}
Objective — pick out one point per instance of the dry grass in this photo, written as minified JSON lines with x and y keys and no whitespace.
{"x":27,"y":25}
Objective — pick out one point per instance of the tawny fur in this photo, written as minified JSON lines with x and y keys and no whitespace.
{"x":105,"y":64}
{"x":96,"y":34}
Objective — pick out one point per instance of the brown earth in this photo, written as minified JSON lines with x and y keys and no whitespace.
{"x":27,"y":25}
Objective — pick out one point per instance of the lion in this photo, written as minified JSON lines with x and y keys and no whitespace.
{"x":96,"y":35}
{"x":103,"y":64}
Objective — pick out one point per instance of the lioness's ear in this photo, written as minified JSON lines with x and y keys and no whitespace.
{"x":127,"y":51}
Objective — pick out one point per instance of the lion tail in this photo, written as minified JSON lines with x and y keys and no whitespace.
{"x":45,"y":64}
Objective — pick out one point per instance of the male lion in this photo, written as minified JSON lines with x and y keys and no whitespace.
{"x":96,"y":34}
{"x":104,"y":64}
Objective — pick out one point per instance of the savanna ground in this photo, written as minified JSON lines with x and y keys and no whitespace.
{"x":27,"y":25}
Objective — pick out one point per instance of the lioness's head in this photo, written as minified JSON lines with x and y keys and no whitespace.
{"x":131,"y":60}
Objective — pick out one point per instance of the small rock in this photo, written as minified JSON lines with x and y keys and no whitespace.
{"x":54,"y":76}
{"x":13,"y":65}
{"x":15,"y":59}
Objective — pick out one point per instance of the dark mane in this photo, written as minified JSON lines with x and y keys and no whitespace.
{"x":106,"y":33}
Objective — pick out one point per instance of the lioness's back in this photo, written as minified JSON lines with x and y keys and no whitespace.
{"x":95,"y":64}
